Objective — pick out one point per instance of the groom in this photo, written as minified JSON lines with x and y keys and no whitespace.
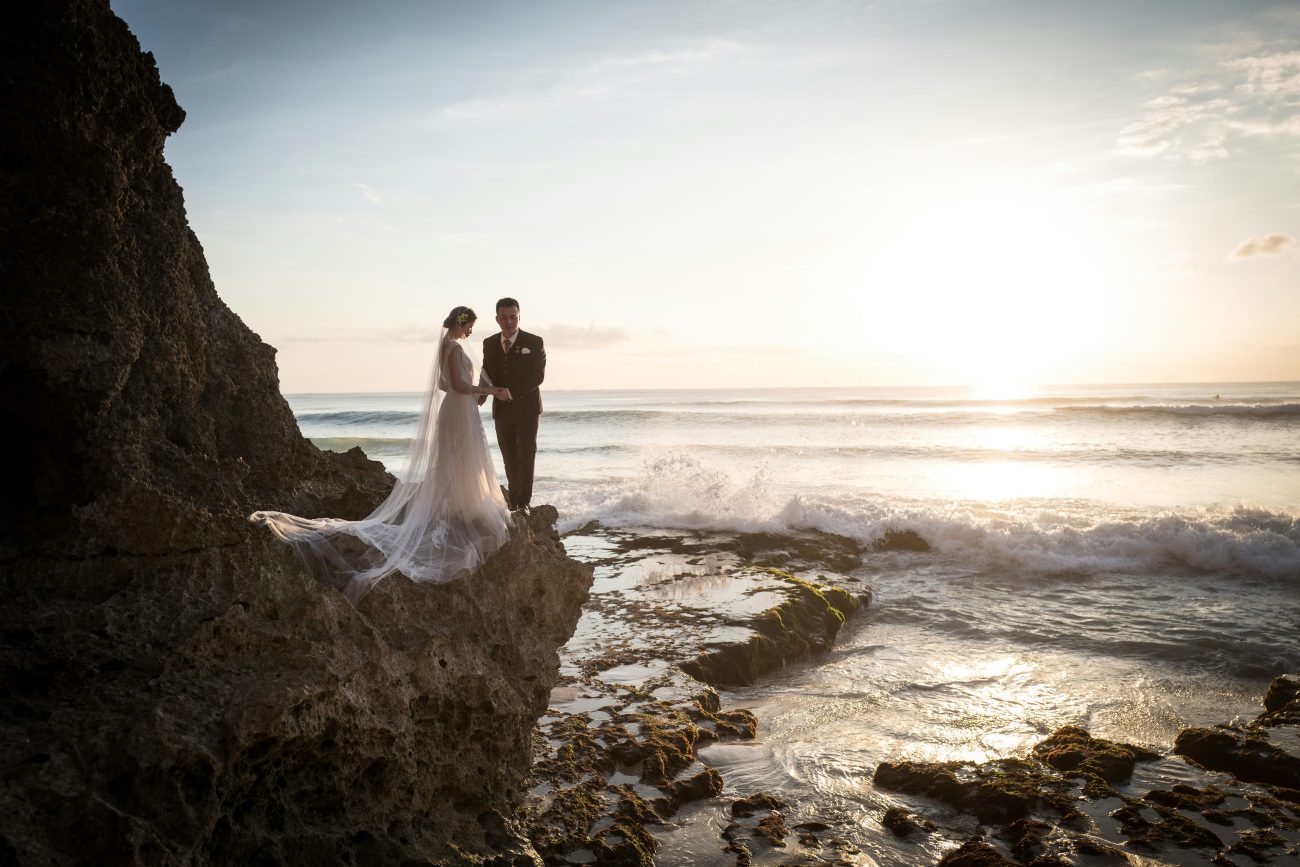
{"x":516,"y":361}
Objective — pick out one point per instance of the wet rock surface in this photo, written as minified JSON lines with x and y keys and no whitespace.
{"x":1265,"y":751}
{"x":1078,"y":799}
{"x":904,"y":824}
{"x":177,"y":690}
{"x":617,"y":753}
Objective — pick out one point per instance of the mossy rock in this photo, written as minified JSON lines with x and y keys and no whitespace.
{"x":975,"y":853}
{"x":1076,"y":753}
{"x":806,"y":549}
{"x":903,"y":824}
{"x":901,"y":540}
{"x":798,"y":629}
{"x":1173,"y":828}
{"x":995,"y":792}
{"x":1257,"y":844}
{"x":1246,"y":755}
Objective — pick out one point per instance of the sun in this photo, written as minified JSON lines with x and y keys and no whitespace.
{"x":995,"y":291}
{"x":1002,"y":389}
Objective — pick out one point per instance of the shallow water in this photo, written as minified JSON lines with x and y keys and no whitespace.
{"x":1125,"y":558}
{"x":974,"y":667}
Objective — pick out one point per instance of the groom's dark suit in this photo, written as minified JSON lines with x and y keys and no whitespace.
{"x":521,"y":371}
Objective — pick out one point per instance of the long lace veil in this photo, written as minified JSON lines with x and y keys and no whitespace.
{"x":426,"y":528}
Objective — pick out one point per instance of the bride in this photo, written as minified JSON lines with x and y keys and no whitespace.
{"x":445,"y":517}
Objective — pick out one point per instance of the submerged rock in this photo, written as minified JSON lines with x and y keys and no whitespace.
{"x":1077,"y":798}
{"x":177,"y":689}
{"x":903,"y":824}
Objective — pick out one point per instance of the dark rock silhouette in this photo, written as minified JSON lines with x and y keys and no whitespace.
{"x":177,"y":690}
{"x":1248,"y":752}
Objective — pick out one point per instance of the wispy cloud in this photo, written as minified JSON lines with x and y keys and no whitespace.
{"x":1269,"y":75}
{"x":600,"y":79}
{"x":579,"y":337}
{"x":369,"y":194}
{"x":1265,"y":245}
{"x":1187,"y":122}
{"x":404,"y":334}
{"x":1207,"y":116}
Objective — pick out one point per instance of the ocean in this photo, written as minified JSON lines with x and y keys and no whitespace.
{"x":1122,"y":557}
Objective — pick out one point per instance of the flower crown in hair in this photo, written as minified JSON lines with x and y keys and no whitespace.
{"x":462,"y":319}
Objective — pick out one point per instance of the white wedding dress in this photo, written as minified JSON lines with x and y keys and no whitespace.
{"x":444,"y":518}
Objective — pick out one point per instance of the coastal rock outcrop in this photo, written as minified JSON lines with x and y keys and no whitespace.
{"x":1248,"y":752}
{"x":178,"y":690}
{"x":1077,"y":796}
{"x":671,"y":616}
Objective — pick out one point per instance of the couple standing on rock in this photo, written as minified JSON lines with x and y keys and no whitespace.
{"x":447,"y":514}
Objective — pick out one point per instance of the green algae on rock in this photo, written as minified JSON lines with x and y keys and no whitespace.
{"x":638,"y":704}
{"x":995,"y":792}
{"x":1075,"y":753}
{"x":1050,"y":807}
{"x":797,"y":629}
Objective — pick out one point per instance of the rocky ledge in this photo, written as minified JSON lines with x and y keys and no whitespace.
{"x":229,"y":710}
{"x":671,"y":618}
{"x":1078,"y":799}
{"x":177,"y":690}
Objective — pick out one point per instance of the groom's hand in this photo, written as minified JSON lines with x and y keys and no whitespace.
{"x":482,"y":399}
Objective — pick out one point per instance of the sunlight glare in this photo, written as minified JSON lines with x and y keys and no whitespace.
{"x":997,"y":290}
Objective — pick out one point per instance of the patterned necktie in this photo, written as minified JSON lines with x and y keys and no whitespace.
{"x":505,"y":346}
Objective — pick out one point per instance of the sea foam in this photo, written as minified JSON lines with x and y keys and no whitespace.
{"x":681,"y":492}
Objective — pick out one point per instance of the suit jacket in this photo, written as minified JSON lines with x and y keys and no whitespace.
{"x":522,"y":372}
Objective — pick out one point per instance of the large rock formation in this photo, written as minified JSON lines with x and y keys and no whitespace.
{"x":177,"y":690}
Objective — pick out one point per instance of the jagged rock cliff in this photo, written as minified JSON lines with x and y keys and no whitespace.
{"x":177,"y":690}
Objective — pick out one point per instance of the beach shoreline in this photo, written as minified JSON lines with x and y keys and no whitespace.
{"x":673,"y":597}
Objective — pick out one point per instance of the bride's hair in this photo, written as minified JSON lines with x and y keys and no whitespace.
{"x":459,"y":316}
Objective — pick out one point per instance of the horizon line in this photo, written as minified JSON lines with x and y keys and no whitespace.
{"x":832,"y":387}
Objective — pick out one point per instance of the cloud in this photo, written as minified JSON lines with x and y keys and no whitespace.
{"x":1175,"y":120}
{"x":579,"y":337}
{"x":371,"y":195}
{"x":1276,"y":74}
{"x":1247,"y":92}
{"x":404,"y":334}
{"x":604,"y":78}
{"x":1266,"y":245}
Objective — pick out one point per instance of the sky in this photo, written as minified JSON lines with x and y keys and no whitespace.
{"x":767,"y":193}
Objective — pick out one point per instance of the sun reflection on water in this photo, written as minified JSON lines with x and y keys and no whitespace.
{"x":980,"y":709}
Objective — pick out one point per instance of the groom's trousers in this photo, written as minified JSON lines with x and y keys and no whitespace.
{"x":517,"y":438}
